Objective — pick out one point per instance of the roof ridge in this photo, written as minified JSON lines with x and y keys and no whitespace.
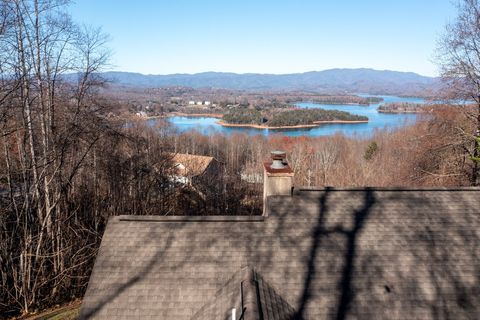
{"x":189,"y":155}
{"x":228,"y":297}
{"x":258,"y":300}
{"x":303,"y":190}
{"x":199,"y":218}
{"x":271,"y":304}
{"x":251,"y":306}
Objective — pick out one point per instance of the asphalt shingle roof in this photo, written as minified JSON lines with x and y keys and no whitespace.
{"x":191,"y":165}
{"x":343,"y":254}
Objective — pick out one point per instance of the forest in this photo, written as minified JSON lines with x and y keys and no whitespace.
{"x":404,"y":107}
{"x":243,"y":116}
{"x":67,"y":165}
{"x":295,"y":117}
{"x":310,"y":116}
{"x":338,"y":99}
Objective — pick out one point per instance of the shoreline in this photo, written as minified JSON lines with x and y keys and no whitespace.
{"x":300,"y":126}
{"x":172,"y":114}
{"x":315,"y":124}
{"x":399,"y":112}
{"x":337,"y":104}
{"x":195,"y":115}
{"x":340,"y":121}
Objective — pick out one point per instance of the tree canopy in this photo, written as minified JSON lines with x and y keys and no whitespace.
{"x":458,"y":57}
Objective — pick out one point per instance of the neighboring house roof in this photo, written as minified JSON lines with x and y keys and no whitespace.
{"x":190,"y":165}
{"x":356,"y":254}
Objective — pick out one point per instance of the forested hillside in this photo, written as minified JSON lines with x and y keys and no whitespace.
{"x":333,"y":80}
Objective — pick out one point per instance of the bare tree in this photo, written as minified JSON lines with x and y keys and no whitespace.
{"x":49,"y":126}
{"x":459,"y":61}
{"x":326,"y":156}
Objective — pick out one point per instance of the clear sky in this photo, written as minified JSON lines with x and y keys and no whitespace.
{"x":268,"y":36}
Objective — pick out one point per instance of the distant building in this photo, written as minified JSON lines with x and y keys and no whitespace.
{"x":201,"y":174}
{"x":191,"y":102}
{"x":199,"y":103}
{"x":142,"y":114}
{"x":207,"y":103}
{"x":193,"y":169}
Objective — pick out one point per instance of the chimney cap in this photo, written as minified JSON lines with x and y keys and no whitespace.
{"x":278,"y":158}
{"x":278,"y":165}
{"x":278,"y":155}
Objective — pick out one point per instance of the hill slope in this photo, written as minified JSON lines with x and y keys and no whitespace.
{"x":345,"y":80}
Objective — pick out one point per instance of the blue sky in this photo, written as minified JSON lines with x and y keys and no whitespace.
{"x":268,"y":36}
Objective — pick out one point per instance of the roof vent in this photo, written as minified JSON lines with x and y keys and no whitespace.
{"x":278,"y":158}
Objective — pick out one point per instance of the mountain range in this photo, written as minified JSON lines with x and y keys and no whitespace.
{"x":332,"y":80}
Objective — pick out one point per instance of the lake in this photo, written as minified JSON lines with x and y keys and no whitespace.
{"x":377,"y":120}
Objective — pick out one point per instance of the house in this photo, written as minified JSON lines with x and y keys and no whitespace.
{"x":198,"y":181}
{"x":191,"y":168}
{"x":329,"y":253}
{"x":191,"y":102}
{"x":207,"y":103}
{"x":199,"y":103}
{"x":141,"y":114}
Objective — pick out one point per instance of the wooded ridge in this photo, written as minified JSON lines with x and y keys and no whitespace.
{"x":326,"y":81}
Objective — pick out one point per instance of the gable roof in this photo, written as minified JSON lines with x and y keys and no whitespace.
{"x":191,"y":165}
{"x":251,"y":296}
{"x":333,"y":253}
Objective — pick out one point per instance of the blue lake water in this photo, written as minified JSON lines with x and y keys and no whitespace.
{"x":377,"y":120}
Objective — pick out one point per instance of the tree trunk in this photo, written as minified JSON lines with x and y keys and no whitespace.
{"x":476,"y":152}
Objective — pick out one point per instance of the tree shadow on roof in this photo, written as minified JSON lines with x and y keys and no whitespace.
{"x":447,"y":250}
{"x":320,"y":231}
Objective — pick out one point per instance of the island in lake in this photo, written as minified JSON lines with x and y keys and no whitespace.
{"x":402,"y":107}
{"x":286,"y":119}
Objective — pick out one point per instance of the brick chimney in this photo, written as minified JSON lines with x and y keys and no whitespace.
{"x":277,"y":176}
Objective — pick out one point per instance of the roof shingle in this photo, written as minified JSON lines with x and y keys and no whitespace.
{"x":344,"y":254}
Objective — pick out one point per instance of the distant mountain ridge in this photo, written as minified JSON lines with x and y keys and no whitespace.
{"x":332,"y":80}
